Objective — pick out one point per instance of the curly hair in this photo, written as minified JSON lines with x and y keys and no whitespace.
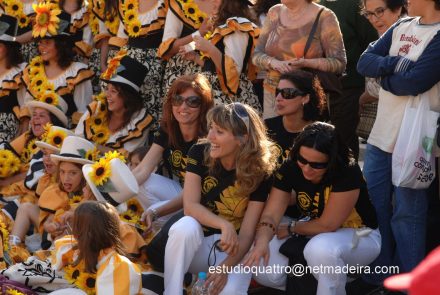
{"x":13,"y":54}
{"x":64,"y":46}
{"x":324,"y":138}
{"x":229,"y":9}
{"x":200,"y":84}
{"x":132,"y":101}
{"x":104,"y":233}
{"x":256,"y":157}
{"x":309,"y":84}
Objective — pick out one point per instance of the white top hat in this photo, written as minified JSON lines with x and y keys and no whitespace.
{"x":75,"y":149}
{"x":119,"y":186}
{"x":57,"y":107}
{"x":54,"y":138}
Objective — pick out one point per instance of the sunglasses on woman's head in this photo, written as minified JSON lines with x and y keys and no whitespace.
{"x":314,"y":165}
{"x":241,"y":112}
{"x":191,"y":101}
{"x":289,"y":93}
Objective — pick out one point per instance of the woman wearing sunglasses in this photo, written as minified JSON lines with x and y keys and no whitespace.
{"x":227,"y":181}
{"x":332,"y":195}
{"x":183,"y":123}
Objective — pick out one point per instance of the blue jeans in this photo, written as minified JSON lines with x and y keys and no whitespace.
{"x":402,"y":226}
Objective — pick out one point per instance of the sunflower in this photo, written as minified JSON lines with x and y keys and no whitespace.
{"x":37,"y":81}
{"x":56,"y":137}
{"x":31,"y":146}
{"x":100,"y":97}
{"x":134,"y":28}
{"x":14,"y":8}
{"x":23,"y":21}
{"x":108,"y":156}
{"x":75,"y":200}
{"x":101,"y":135}
{"x":86,"y":282}
{"x":92,"y":154}
{"x":46,"y":19}
{"x":49,"y":98}
{"x":36,"y":62}
{"x":112,"y":24}
{"x":134,"y":206}
{"x":4,"y":232}
{"x":100,"y":172}
{"x":13,"y":292}
{"x":129,"y":16}
{"x":129,"y":217}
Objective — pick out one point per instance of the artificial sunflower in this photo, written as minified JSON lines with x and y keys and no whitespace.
{"x":129,"y":217}
{"x":36,"y":62}
{"x":46,"y":19}
{"x":112,"y":24}
{"x":101,"y":135}
{"x":75,"y":200}
{"x":100,"y":97}
{"x":134,"y":28}
{"x":56,"y":137}
{"x":49,"y":98}
{"x":92,"y":154}
{"x":86,"y":282}
{"x":134,"y":206}
{"x":46,"y":128}
{"x":108,"y":156}
{"x":13,"y":292}
{"x":4,"y":232}
{"x":9,"y":163}
{"x":100,"y":172}
{"x":113,"y":64}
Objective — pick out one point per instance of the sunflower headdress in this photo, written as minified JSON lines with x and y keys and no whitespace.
{"x":53,"y":137}
{"x":114,"y":65}
{"x":47,"y":20}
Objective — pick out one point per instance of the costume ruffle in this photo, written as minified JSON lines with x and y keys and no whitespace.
{"x":11,"y":80}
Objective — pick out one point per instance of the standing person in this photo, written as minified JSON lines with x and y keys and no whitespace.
{"x":280,"y":48}
{"x":225,"y":55}
{"x":183,"y":123}
{"x":118,"y":119}
{"x":342,"y":226}
{"x":357,"y":33}
{"x":406,"y":59}
{"x":181,"y":27}
{"x":382,"y":15}
{"x":140,"y":33}
{"x":54,"y":72}
{"x":226,"y":185}
{"x":11,"y":90}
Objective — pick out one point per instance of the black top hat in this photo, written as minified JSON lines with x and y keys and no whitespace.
{"x":130,"y":72}
{"x":8,"y":28}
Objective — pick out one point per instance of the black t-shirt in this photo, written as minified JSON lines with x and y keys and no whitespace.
{"x":174,"y":159}
{"x":219,"y":193}
{"x":283,"y":141}
{"x":311,"y":198}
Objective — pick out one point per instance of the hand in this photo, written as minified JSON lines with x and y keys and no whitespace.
{"x":216,"y":282}
{"x":54,"y":229}
{"x":260,"y":250}
{"x":364,"y":99}
{"x":205,"y":27}
{"x":202,"y":44}
{"x":67,"y":218}
{"x":281,"y":66}
{"x":229,"y":239}
{"x":297,"y":63}
{"x":147,"y":218}
{"x":283,"y":231}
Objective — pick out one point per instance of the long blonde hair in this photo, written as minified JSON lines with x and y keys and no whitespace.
{"x":256,"y":157}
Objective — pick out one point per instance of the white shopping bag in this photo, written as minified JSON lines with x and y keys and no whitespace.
{"x":413,"y":162}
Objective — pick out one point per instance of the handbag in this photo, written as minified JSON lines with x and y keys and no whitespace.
{"x":330,"y":82}
{"x":366,"y":120}
{"x":413,"y":160}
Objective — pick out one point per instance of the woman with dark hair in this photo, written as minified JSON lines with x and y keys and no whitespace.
{"x":11,"y":90}
{"x":183,"y":123}
{"x":224,"y":57}
{"x":117,"y":118}
{"x":140,"y":34}
{"x":341,"y":225}
{"x":54,"y":72}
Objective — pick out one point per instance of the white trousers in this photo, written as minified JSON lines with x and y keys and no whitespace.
{"x":156,"y":191}
{"x":188,"y":250}
{"x":334,"y":249}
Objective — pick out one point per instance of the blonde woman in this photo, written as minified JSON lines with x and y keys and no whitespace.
{"x":226,"y":184}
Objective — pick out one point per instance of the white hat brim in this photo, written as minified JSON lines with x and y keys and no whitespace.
{"x":44,"y":145}
{"x":53,"y":109}
{"x":57,"y":158}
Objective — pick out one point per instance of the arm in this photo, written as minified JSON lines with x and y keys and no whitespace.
{"x":169,"y":207}
{"x":245,"y":238}
{"x":260,"y":58}
{"x":420,"y":76}
{"x":192,"y":207}
{"x":25,"y":38}
{"x":273,"y":212}
{"x":336,"y":211}
{"x":103,"y":46}
{"x":148,"y":164}
{"x":12,"y":179}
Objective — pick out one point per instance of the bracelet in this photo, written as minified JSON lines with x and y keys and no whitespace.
{"x":270,"y":62}
{"x":155,"y":214}
{"x":196,"y":33}
{"x":292,"y":224}
{"x":270,"y":225}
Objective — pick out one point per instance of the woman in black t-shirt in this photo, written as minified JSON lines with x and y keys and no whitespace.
{"x":183,"y":123}
{"x":226,"y":184}
{"x":332,"y":194}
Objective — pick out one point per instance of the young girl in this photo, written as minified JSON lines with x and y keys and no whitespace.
{"x":98,"y":250}
{"x":226,"y":184}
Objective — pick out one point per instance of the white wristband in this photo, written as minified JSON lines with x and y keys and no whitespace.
{"x":196,"y":33}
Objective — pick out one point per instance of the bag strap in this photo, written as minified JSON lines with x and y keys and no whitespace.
{"x":312,"y":32}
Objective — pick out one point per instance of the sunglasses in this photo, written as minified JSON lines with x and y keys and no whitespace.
{"x":314,"y":165}
{"x":241,"y":112}
{"x":191,"y":101}
{"x":378,"y":13}
{"x":289,"y":93}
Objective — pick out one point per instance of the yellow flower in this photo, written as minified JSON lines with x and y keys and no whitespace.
{"x":37,"y":81}
{"x":100,"y":172}
{"x":49,"y":98}
{"x":46,"y":19}
{"x":100,"y":97}
{"x":14,"y":8}
{"x":129,"y":16}
{"x":86,"y":282}
{"x":36,"y":62}
{"x":129,"y":217}
{"x":92,"y":154}
{"x":134,"y":28}
{"x":23,"y":21}
{"x":108,"y":156}
{"x":32,"y":147}
{"x":75,"y":200}
{"x":131,"y":5}
{"x":112,"y":24}
{"x":4,"y":232}
{"x":13,"y":292}
{"x":101,"y":135}
{"x":56,"y":137}
{"x":134,"y":206}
